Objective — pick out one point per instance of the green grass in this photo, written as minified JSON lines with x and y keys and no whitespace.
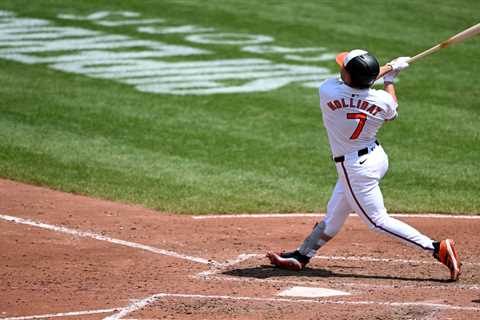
{"x":261,"y":152}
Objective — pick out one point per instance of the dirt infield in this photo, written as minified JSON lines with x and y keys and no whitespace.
{"x":66,"y":256}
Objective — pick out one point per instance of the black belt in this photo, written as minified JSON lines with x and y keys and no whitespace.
{"x":360,"y":153}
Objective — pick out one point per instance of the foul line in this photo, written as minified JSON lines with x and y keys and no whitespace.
{"x":138,"y":305}
{"x":296,"y":215}
{"x":65,"y":314}
{"x":100,"y":237}
{"x":228,"y":263}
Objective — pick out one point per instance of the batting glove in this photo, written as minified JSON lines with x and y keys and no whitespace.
{"x":399,"y":64}
{"x":390,"y":76}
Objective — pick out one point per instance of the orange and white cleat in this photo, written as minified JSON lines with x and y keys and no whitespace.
{"x":446,"y":253}
{"x":288,"y":260}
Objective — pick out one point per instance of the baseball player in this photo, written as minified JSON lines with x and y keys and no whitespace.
{"x":353,"y":112}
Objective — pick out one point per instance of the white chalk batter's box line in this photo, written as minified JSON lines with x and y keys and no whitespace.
{"x":63,"y":314}
{"x":313,"y":215}
{"x":96,"y":236}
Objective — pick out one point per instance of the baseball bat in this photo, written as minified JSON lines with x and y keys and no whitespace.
{"x":459,"y":37}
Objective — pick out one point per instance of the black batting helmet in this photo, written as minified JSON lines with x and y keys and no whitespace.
{"x":362,"y":66}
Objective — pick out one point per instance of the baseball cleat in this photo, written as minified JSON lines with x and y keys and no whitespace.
{"x":446,"y":253}
{"x":288,"y":260}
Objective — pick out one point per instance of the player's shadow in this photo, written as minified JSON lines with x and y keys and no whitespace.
{"x":267,"y":271}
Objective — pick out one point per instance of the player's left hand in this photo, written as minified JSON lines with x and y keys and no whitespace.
{"x":399,"y":63}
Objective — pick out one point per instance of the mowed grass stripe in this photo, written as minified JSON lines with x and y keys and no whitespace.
{"x":69,"y":153}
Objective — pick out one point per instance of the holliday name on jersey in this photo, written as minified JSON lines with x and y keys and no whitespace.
{"x":354,"y":103}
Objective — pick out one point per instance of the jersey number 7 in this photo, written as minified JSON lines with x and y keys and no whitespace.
{"x":362,"y":117}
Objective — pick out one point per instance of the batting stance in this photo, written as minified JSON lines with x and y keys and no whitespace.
{"x":353,"y":112}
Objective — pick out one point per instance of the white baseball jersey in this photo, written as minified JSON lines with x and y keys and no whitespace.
{"x":352,"y":116}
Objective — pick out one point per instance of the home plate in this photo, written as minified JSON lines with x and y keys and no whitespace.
{"x":309,"y":292}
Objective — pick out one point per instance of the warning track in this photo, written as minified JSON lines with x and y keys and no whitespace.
{"x":65,"y":256}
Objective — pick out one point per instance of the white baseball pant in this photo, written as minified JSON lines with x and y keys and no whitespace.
{"x":358,"y":190}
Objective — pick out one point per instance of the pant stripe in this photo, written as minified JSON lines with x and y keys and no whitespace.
{"x":369,"y":219}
